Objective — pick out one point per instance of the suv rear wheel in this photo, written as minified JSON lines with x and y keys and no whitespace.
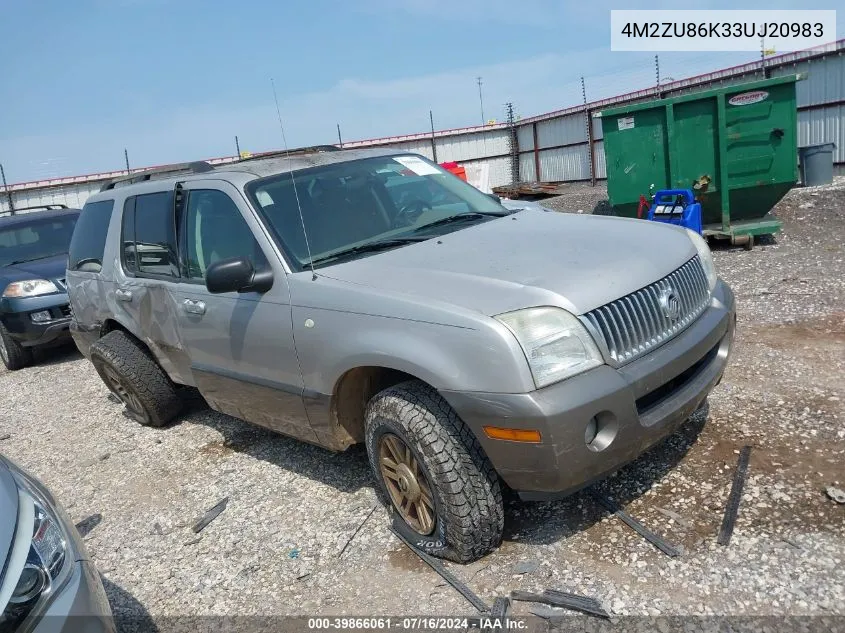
{"x":130,"y":373}
{"x":13,"y":354}
{"x":442,"y":490}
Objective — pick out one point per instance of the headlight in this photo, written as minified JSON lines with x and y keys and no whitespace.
{"x":555,"y":343}
{"x":705,"y":257}
{"x":30,"y":288}
{"x":38,"y":563}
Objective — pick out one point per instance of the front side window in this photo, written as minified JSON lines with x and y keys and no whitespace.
{"x":89,"y":237}
{"x":216,"y":230}
{"x":34,"y":240}
{"x":149,"y":235}
{"x":354,"y":208}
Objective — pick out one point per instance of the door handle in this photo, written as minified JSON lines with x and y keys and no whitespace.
{"x":194,"y":307}
{"x":123,"y":295}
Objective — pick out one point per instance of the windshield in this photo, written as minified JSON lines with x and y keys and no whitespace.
{"x":38,"y":239}
{"x":354,"y":203}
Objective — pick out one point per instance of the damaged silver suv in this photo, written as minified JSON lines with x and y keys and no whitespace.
{"x":370,"y":296}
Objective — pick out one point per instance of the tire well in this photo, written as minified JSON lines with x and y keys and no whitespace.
{"x":354,"y":390}
{"x":110,"y":325}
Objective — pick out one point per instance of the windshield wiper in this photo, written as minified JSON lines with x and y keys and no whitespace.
{"x":462,"y":217}
{"x":32,"y":259}
{"x":368,"y":247}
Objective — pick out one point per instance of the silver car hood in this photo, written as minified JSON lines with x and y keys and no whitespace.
{"x":530,"y":258}
{"x":8,"y":512}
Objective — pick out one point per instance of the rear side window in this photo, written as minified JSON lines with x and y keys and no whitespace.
{"x":89,"y":237}
{"x":149,"y":235}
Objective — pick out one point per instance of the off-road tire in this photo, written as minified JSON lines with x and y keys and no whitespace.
{"x":603,"y":207}
{"x":465,"y":487}
{"x":14,"y":355}
{"x":140,"y":375}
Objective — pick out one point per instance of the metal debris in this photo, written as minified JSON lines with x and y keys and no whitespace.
{"x":554,"y":598}
{"x":87,"y":524}
{"x":212,"y":514}
{"x":358,"y":529}
{"x":437,"y":566}
{"x":526,"y":567}
{"x":732,"y":508}
{"x":836,"y":494}
{"x":5,"y":437}
{"x":635,"y":525}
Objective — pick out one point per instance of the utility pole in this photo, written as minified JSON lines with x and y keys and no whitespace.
{"x":589,"y":129}
{"x":763,"y":58}
{"x":433,"y":142}
{"x":237,"y":147}
{"x":513,"y":143}
{"x":126,"y":158}
{"x":339,"y":138}
{"x":481,"y":101}
{"x":6,"y":189}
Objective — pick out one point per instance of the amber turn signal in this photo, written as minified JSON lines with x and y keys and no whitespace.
{"x":514,"y":435}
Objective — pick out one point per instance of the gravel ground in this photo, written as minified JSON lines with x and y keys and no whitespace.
{"x":282,"y":544}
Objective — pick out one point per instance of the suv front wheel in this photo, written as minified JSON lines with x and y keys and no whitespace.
{"x":133,"y":375}
{"x":443,"y":491}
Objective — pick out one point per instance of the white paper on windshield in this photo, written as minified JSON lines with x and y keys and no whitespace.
{"x":416,"y":165}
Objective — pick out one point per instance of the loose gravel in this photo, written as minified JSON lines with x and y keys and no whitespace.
{"x":281,"y":546}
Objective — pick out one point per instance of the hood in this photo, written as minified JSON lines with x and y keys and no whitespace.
{"x":531,"y":258}
{"x":48,"y":268}
{"x":8,"y":511}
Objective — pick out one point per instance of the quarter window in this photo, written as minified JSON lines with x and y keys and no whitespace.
{"x":216,"y":230}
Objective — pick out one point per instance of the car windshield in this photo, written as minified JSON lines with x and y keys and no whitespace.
{"x":361,"y":207}
{"x":38,"y":239}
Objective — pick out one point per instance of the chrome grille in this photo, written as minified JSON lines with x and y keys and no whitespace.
{"x":631,"y":326}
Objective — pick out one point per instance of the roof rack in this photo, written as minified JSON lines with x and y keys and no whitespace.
{"x":45,"y":207}
{"x":313,"y":149}
{"x":196,"y":167}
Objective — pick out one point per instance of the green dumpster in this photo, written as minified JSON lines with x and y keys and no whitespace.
{"x":734,"y":146}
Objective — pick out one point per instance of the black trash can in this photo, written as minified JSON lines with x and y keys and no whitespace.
{"x":816,"y":164}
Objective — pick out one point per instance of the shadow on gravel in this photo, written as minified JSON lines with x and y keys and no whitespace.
{"x":528,"y":522}
{"x":544,"y":523}
{"x":56,"y":355}
{"x":130,"y":616}
{"x":347,"y":472}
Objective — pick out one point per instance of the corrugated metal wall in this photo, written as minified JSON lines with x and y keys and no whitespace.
{"x":562,"y":138}
{"x":74,"y":196}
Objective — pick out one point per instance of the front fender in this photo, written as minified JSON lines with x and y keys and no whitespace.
{"x":485,"y":357}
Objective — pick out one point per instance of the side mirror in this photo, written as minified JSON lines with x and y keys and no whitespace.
{"x":237,"y":274}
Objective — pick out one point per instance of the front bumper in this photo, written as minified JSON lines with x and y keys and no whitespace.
{"x":632,"y":407}
{"x":16,"y":314}
{"x":80,"y":605}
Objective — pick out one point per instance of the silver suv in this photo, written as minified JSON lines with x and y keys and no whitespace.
{"x":370,"y":296}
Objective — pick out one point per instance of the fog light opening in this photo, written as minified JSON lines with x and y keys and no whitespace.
{"x":42,"y":316}
{"x":601,"y":431}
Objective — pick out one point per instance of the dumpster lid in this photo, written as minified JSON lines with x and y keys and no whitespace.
{"x":694,"y":96}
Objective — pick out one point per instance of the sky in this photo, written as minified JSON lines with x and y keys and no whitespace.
{"x":176,"y":80}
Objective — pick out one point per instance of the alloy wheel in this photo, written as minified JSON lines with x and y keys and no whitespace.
{"x":407,"y":484}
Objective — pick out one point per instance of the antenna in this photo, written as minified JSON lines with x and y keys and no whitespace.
{"x":293,"y":181}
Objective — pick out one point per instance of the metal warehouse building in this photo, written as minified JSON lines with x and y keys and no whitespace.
{"x":560,"y":146}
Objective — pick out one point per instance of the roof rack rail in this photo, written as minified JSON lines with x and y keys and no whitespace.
{"x":196,"y":167}
{"x":46,"y":207}
{"x":313,"y":149}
